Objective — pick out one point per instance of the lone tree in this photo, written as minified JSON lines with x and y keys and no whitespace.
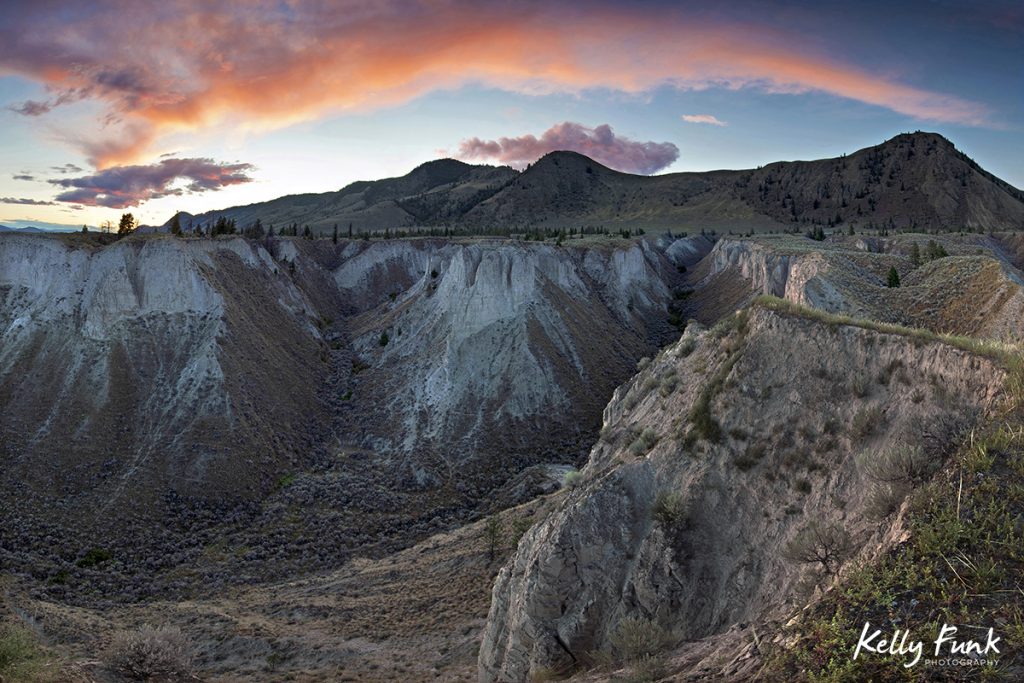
{"x":827,"y":544}
{"x":175,"y":225}
{"x":894,"y":277}
{"x":126,"y":225}
{"x":334,"y":237}
{"x":493,"y":533}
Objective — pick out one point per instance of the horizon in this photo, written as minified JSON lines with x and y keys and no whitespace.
{"x":364,"y":93}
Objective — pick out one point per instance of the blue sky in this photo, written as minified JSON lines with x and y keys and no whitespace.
{"x":207,"y":107}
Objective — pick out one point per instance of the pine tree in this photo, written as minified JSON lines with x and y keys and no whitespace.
{"x":126,"y":225}
{"x":335,"y":236}
{"x":175,"y":225}
{"x":915,"y":254}
{"x":894,"y":277}
{"x":493,"y":535}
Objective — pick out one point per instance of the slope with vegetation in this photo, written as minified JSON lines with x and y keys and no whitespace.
{"x":914,"y":181}
{"x":739,"y":474}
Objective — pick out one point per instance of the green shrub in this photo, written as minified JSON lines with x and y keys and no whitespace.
{"x":21,"y":657}
{"x":669,"y":511}
{"x":636,"y":638}
{"x":573,"y":478}
{"x":94,"y":557}
{"x":647,"y":439}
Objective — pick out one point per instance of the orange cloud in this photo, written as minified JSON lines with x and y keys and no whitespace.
{"x":266,"y":64}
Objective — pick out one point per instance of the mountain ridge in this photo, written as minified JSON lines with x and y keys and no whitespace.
{"x":910,"y":181}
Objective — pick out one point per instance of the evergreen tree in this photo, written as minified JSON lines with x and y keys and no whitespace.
{"x":894,"y":277}
{"x":334,"y":237}
{"x":915,"y":254}
{"x":126,"y":225}
{"x":175,"y":225}
{"x":493,"y":534}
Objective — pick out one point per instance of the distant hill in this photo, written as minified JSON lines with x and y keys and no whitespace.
{"x":915,"y":180}
{"x":4,"y":228}
{"x":435,"y":193}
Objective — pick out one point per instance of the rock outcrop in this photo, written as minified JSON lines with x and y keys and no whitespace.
{"x":972,"y":289}
{"x":711,"y":459}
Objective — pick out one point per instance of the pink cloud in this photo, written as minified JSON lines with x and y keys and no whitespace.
{"x":703,"y":118}
{"x":191,"y":65}
{"x":599,"y":143}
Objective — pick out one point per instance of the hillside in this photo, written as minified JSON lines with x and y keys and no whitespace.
{"x":917,"y":181}
{"x":713,"y":462}
{"x":213,"y":387}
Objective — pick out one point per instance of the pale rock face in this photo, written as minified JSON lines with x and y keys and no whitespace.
{"x":602,"y":554}
{"x":494,"y":332}
{"x":136,"y":328}
{"x":801,"y":278}
{"x":687,"y":251}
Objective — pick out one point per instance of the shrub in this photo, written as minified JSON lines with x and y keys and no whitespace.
{"x":94,"y":557}
{"x":572,"y":478}
{"x":827,"y":544}
{"x":803,"y":486}
{"x":21,"y":658}
{"x":669,"y":511}
{"x":384,"y":339}
{"x":686,"y":347}
{"x":645,"y":442}
{"x":642,"y":364}
{"x":864,"y":422}
{"x":898,"y":465}
{"x":151,"y":653}
{"x":750,"y":457}
{"x":883,"y":499}
{"x":636,"y":638}
{"x":704,"y":424}
{"x":860,"y":386}
{"x":668,"y":385}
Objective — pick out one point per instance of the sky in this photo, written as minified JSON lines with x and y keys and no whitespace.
{"x":115,"y":106}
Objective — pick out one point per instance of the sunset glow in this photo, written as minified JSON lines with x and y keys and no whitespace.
{"x":258,"y":86}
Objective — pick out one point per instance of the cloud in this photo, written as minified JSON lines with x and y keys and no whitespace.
{"x":31,"y":108}
{"x":123,"y":186}
{"x":599,"y":143}
{"x":703,"y":118}
{"x":67,"y":168}
{"x":23,"y":176}
{"x":25,"y":201}
{"x":262,"y":65}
